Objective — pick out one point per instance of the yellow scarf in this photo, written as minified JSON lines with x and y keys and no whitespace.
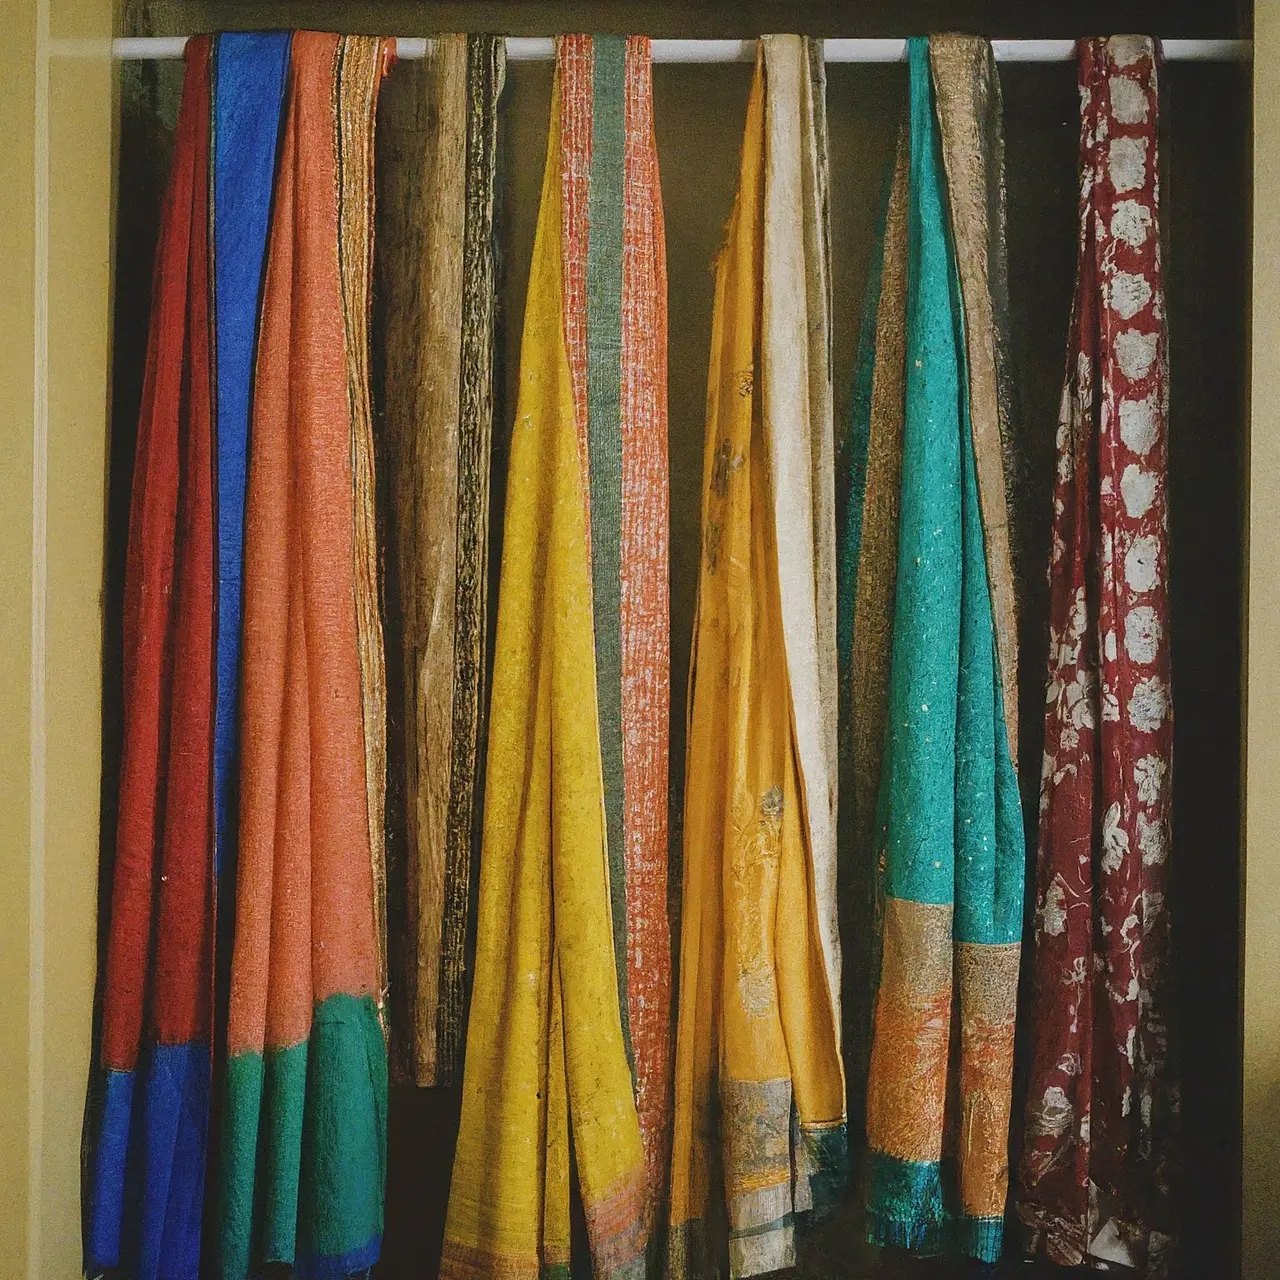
{"x":757,"y":1034}
{"x":545,"y":1038}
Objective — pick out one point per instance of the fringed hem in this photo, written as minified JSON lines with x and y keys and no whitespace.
{"x":904,"y":1204}
{"x":980,"y":1238}
{"x":925,"y":1238}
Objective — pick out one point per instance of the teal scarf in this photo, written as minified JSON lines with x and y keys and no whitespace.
{"x":948,"y":837}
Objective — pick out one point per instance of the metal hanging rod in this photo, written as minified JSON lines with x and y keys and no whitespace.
{"x":539,"y":49}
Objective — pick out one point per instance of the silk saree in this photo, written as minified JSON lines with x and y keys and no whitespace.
{"x":1099,"y":1162}
{"x":759,"y":1104}
{"x":567,"y":1056}
{"x":928,"y":638}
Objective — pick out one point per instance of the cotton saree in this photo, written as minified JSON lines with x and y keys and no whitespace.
{"x":437,"y":144}
{"x":147,"y":1165}
{"x":567,"y":1036}
{"x":759,"y":1087}
{"x":929,"y":629}
{"x":1098,"y":1166}
{"x":303,"y":1138}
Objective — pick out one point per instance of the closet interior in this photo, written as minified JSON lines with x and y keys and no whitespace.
{"x":1205,"y":139}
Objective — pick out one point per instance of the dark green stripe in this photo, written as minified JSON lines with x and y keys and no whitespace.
{"x":604,"y":425}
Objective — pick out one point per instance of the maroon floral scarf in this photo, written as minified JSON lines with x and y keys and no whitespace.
{"x":1101,"y":1104}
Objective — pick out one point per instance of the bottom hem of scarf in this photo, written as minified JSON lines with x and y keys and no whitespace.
{"x":906,"y":1210}
{"x":462,"y":1262}
{"x":904,"y":1204}
{"x":147,"y":1196}
{"x":821,"y":1154}
{"x":304,"y":1148}
{"x":1067,"y":1242}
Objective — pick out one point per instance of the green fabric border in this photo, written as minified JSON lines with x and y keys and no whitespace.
{"x":604,"y":423}
{"x":304,"y":1143}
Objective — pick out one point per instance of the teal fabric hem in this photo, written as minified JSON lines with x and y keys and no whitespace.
{"x":825,"y":1153}
{"x":904,"y":1204}
{"x":979,"y":1238}
{"x":304,"y":1146}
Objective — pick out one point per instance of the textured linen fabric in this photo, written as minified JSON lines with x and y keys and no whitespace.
{"x":1099,"y":1159}
{"x":759,"y":1088}
{"x":302,"y":1157}
{"x":250,"y":79}
{"x":438,"y":144}
{"x":948,"y":844}
{"x":567,"y":1038}
{"x":147,"y":1167}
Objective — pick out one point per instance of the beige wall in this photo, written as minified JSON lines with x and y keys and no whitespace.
{"x":56,"y":129}
{"x":1261,"y":1237}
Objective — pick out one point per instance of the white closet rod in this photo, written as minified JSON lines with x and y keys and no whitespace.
{"x":537,"y":49}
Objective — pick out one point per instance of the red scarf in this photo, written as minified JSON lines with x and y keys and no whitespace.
{"x":1101,"y":1108}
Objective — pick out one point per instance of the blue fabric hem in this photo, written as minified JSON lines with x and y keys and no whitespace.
{"x":107,"y":1194}
{"x":147,"y":1199}
{"x":339,"y":1266}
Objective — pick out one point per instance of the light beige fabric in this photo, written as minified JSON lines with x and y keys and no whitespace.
{"x":798,"y":419}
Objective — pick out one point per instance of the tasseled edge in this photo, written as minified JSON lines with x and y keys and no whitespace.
{"x":904,"y":1204}
{"x":980,"y":1238}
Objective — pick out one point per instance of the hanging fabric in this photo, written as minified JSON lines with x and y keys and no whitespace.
{"x":567,"y":1040}
{"x":249,"y":74}
{"x":1098,"y":1162}
{"x":946,"y":830}
{"x":303,"y":1143}
{"x":147,"y":1167}
{"x":438,"y":145}
{"x":759,"y":1109}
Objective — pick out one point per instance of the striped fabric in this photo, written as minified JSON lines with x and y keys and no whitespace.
{"x":930,"y":657}
{"x":302,"y":1157}
{"x":759,"y":1133}
{"x":568,"y":1034}
{"x":437,"y":167}
{"x":146,"y":1182}
{"x":614,"y":249}
{"x":251,"y":68}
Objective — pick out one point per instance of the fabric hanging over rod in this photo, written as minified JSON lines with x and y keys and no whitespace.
{"x":543,"y":49}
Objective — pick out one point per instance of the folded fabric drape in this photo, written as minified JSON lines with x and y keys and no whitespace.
{"x":437,"y":165}
{"x":304,"y":1127}
{"x":1097,"y":1169}
{"x":931,"y":676}
{"x":759,"y":1108}
{"x":147,"y":1168}
{"x":567,"y":1038}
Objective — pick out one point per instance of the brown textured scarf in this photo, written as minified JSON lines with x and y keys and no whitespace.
{"x":437,"y":279}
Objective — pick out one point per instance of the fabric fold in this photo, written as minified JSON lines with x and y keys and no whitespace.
{"x":1098,"y":1170}
{"x":758,"y":1049}
{"x":948,"y":844}
{"x":566,"y":1067}
{"x":302,"y":1158}
{"x":147,"y":1164}
{"x":438,"y":144}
